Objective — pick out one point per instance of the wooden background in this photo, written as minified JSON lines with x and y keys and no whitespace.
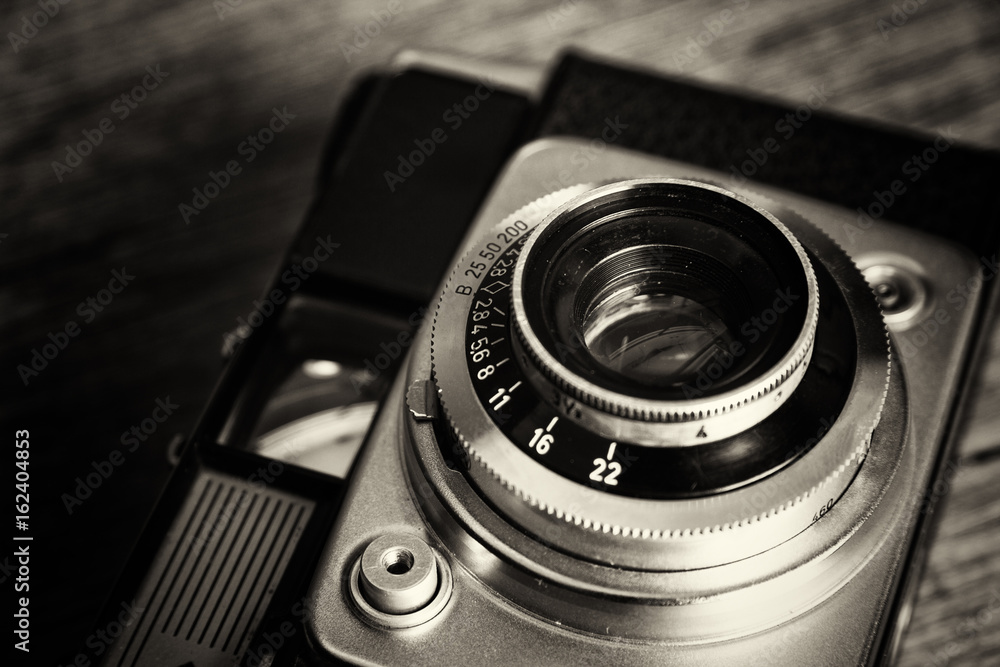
{"x":230,"y":63}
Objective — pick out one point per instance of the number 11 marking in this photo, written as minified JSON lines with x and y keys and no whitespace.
{"x":503,"y":395}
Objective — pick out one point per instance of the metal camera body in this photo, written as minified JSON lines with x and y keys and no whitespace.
{"x":529,"y":583}
{"x":357,"y":492}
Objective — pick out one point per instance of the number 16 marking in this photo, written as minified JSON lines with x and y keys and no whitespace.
{"x":542,"y":440}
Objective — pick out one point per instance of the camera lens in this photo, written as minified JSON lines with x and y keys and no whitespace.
{"x":641,"y":322}
{"x":647,"y":302}
{"x":670,"y":303}
{"x":659,"y":359}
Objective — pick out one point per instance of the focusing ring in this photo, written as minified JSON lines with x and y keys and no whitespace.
{"x":702,"y":415}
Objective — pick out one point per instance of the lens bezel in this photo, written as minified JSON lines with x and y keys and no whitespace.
{"x":701,"y":241}
{"x":641,"y":414}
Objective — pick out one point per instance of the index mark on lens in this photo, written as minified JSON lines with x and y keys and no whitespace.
{"x":495,"y":287}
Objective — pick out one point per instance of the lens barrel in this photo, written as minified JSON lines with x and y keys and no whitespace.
{"x":659,"y":373}
{"x":673,"y":310}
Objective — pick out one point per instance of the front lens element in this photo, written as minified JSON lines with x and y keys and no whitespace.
{"x":664,"y":292}
{"x":655,"y":315}
{"x":654,"y":337}
{"x":658,"y":314}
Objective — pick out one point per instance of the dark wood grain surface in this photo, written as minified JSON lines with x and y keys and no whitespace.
{"x":224,"y":67}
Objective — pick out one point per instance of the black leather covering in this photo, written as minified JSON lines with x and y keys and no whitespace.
{"x":840,"y":160}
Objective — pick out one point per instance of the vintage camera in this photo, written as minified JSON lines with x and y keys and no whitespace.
{"x":613,"y":400}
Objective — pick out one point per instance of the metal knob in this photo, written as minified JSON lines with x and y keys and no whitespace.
{"x":398,"y":573}
{"x":400,"y":581}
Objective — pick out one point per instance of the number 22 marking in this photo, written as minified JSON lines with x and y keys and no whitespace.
{"x":614,"y":468}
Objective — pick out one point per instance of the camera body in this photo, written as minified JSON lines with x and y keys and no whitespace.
{"x":449,"y":538}
{"x":821,"y":597}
